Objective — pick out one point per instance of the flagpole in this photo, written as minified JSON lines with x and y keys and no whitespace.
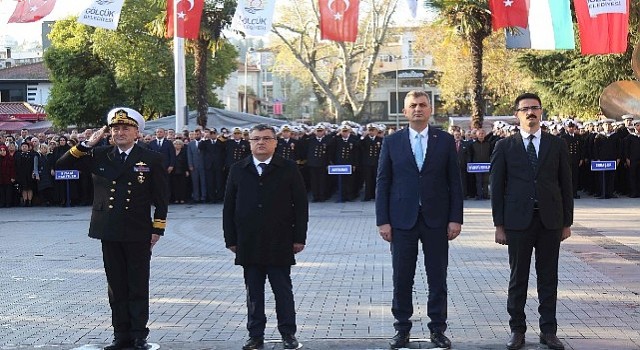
{"x":180,"y":77}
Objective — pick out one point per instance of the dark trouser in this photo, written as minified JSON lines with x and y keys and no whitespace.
{"x":6,"y":195}
{"x":127,"y":267}
{"x":634,"y":178}
{"x":280,"y":280}
{"x":482,"y":185}
{"x":575,"y":176}
{"x":547,"y":245}
{"x":369,"y":173}
{"x":199,"y":185}
{"x":348,"y":182}
{"x":218,"y":183}
{"x":463,"y":179}
{"x":404,"y":251}
{"x":318,"y":177}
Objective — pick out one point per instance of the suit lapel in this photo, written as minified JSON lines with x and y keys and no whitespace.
{"x":545,"y":145}
{"x":432,"y":143}
{"x":405,"y":145}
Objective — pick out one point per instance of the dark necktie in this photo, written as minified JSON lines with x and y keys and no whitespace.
{"x":262,"y":166}
{"x":531,"y":152}
{"x":123,"y":157}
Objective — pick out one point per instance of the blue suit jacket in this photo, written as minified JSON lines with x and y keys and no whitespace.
{"x":400,"y":184}
{"x":167,"y":150}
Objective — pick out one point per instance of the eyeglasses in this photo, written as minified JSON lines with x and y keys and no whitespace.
{"x":263,"y":138}
{"x":532,"y":108}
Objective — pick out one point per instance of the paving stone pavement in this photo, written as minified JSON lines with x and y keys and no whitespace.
{"x":53,"y":289}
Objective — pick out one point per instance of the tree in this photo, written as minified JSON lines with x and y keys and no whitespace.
{"x":502,"y":76}
{"x":84,"y":86}
{"x":471,"y":20}
{"x":341,"y":73}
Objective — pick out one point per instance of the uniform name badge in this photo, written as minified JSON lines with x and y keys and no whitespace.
{"x":141,"y":168}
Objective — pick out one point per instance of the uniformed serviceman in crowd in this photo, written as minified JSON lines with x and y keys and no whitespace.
{"x":236,"y":148}
{"x":576,"y":153}
{"x":288,"y":147}
{"x":318,"y":152}
{"x":623,"y":129}
{"x":347,"y":152}
{"x":631,"y":152}
{"x":607,"y":146}
{"x":370,"y":152}
{"x":127,"y":181}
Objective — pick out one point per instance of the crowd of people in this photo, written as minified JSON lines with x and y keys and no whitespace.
{"x":198,"y":161}
{"x":602,"y":140}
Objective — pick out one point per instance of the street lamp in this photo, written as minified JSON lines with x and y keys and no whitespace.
{"x":245,"y":108}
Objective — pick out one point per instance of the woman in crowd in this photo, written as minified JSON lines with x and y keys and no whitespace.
{"x":7,"y":176}
{"x":25,"y":172}
{"x":179,"y":174}
{"x":44,"y":174}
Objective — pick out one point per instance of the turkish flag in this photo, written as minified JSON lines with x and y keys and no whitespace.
{"x":31,"y":10}
{"x":339,"y":20}
{"x":189,"y":15}
{"x":603,"y":34}
{"x":509,"y":13}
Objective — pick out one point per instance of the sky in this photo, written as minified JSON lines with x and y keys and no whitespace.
{"x":63,"y":8}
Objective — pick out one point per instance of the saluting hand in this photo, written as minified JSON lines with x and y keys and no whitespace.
{"x":96,"y":136}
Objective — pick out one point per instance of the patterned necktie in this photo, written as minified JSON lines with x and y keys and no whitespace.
{"x":531,"y":152}
{"x":262,"y":166}
{"x":419,"y":155}
{"x":123,"y":157}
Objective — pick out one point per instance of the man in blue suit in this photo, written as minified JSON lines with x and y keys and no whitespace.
{"x":419,"y":199}
{"x":164,"y":147}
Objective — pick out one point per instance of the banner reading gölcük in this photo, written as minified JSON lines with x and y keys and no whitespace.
{"x":253,"y":17}
{"x":102,"y":14}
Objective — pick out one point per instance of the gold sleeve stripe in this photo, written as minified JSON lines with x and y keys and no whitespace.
{"x":76,"y":152}
{"x":161,"y":224}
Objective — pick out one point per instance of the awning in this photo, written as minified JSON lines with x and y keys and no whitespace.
{"x":13,"y":125}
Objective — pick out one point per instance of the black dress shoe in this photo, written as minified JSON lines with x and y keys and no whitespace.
{"x":119,"y":344}
{"x":140,"y":344}
{"x":289,"y":341}
{"x":400,"y":340}
{"x":440,"y":340}
{"x":253,"y":343}
{"x":516,"y":341}
{"x":552,"y":341}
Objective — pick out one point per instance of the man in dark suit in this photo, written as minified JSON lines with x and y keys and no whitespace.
{"x":419,"y":198}
{"x":213,"y":157}
{"x":164,"y":147}
{"x":532,"y":205}
{"x":463,"y":150}
{"x":127,"y":181}
{"x":265,"y":219}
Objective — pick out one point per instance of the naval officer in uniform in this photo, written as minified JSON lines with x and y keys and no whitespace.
{"x":127,"y":180}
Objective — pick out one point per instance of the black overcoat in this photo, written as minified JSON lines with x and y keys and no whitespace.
{"x":264,"y":216}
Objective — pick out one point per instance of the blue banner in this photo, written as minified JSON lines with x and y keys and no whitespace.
{"x":339,"y":169}
{"x":67,"y":174}
{"x":478,"y":167}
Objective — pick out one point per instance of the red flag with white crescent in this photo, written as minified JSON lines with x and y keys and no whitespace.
{"x":339,"y":20}
{"x":189,"y":14}
{"x":31,"y":10}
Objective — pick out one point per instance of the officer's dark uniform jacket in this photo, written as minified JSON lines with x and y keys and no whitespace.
{"x":370,"y":150}
{"x":236,"y":150}
{"x":288,"y":149}
{"x":123,"y":192}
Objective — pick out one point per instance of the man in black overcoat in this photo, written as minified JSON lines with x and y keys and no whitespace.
{"x":265,"y":219}
{"x":127,"y":181}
